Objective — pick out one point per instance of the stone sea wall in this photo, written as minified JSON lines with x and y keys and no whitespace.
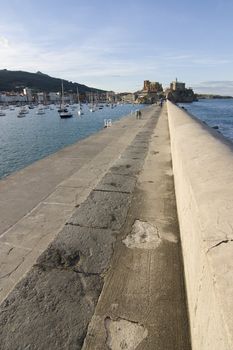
{"x":203,"y":173}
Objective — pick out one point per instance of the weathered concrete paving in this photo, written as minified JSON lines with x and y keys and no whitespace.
{"x":113,"y":276}
{"x":36,"y":201}
{"x":143,"y":305}
{"x":53,"y":305}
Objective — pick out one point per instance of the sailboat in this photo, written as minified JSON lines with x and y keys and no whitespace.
{"x":63,"y":111}
{"x":2,"y":114}
{"x":22,"y":113}
{"x":40,"y":110}
{"x":80,"y":112}
{"x":92,"y":105}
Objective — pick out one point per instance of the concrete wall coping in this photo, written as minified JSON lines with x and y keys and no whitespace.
{"x":203,"y":172}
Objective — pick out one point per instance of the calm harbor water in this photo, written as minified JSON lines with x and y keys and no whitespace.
{"x":25,"y":140}
{"x":215,"y":112}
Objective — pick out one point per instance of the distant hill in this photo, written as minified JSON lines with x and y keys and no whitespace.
{"x":16,"y":80}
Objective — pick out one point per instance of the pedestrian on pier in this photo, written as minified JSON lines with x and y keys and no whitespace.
{"x":138,"y":114}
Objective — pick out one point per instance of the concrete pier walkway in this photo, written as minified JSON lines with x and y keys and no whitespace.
{"x":112,"y":278}
{"x":36,"y":201}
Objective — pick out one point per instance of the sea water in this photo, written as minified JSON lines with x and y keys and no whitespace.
{"x":215,"y":113}
{"x":33,"y":137}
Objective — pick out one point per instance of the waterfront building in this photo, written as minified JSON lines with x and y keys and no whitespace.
{"x":150,"y":92}
{"x":54,"y":97}
{"x":110,"y":96}
{"x":179,"y":93}
{"x":150,"y":87}
{"x":12,"y":97}
{"x":177,"y":86}
{"x":40,"y":97}
{"x":128,"y":98}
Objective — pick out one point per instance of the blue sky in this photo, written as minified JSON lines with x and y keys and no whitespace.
{"x":115,"y":45}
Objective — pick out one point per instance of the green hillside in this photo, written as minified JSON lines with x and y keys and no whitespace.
{"x":16,"y":80}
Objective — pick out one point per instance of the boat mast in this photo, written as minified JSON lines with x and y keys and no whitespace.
{"x":78,"y":96}
{"x":62,"y":94}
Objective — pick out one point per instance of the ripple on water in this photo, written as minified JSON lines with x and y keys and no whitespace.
{"x":214,"y":112}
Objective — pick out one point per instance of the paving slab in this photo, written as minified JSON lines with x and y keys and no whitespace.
{"x":102,"y":210}
{"x":134,"y":153}
{"x":116,"y":183}
{"x":85,"y":250}
{"x":33,"y":229}
{"x":27,"y":240}
{"x":28,"y":187}
{"x":10,"y":262}
{"x":127,"y":166}
{"x":41,"y":313}
{"x":66,"y":195}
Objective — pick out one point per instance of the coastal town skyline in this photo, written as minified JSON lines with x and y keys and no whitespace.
{"x":115,"y":46}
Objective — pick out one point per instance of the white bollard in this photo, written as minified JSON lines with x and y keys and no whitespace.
{"x":107,"y":123}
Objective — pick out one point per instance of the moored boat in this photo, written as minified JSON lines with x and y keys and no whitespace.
{"x":63,"y":111}
{"x":22,"y":113}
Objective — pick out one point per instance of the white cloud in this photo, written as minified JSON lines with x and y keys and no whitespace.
{"x":95,"y":61}
{"x":209,"y":61}
{"x":224,"y":87}
{"x":105,"y":59}
{"x":4,"y":43}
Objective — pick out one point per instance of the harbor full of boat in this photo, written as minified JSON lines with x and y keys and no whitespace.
{"x":63,"y":110}
{"x":41,"y":131}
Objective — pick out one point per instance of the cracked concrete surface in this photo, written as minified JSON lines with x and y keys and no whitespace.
{"x":224,"y":241}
